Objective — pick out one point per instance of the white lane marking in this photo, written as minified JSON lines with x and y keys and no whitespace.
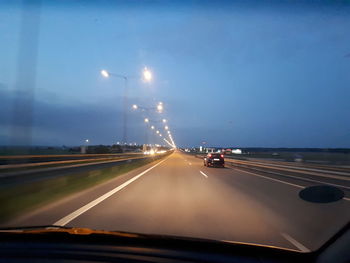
{"x":266,"y":177}
{"x":206,"y":176}
{"x":289,"y":167}
{"x":296,"y":243}
{"x":65,"y":220}
{"x":296,"y":185}
{"x":305,"y":179}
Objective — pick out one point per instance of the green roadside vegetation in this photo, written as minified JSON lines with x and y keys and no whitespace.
{"x":20,"y":199}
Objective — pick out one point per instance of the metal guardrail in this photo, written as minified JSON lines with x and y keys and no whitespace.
{"x":21,"y":177}
{"x":296,"y":169}
{"x":63,"y":155}
{"x":50,"y":163}
{"x":290,"y":170}
{"x":20,"y":159}
{"x":339,"y":168}
{"x":311,"y":171}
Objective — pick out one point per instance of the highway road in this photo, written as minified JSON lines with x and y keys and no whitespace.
{"x":179,"y":196}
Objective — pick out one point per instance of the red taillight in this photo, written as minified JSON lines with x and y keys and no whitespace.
{"x":222,"y":156}
{"x":209,"y":155}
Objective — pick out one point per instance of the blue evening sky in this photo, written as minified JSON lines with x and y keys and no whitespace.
{"x":240,"y":73}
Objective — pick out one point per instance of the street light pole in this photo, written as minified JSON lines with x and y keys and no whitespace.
{"x":125,"y":110}
{"x":147,"y":76}
{"x":125,"y":105}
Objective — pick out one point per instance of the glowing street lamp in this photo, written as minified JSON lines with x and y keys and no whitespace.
{"x":146,"y":120}
{"x":147,"y":75}
{"x":157,"y":132}
{"x":164,"y":120}
{"x":160,"y":107}
{"x":134,"y":107}
{"x":166,"y":127}
{"x":107,"y":74}
{"x":152,"y":127}
{"x":104,"y":73}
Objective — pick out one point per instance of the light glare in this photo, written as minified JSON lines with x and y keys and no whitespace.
{"x":147,"y":75}
{"x":105,"y":73}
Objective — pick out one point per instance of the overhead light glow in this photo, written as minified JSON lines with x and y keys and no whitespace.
{"x":105,"y":73}
{"x":147,"y":75}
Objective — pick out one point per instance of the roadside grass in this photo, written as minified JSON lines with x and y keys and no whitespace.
{"x":18,"y":200}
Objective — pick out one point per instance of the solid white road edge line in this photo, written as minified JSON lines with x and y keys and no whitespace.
{"x":206,"y":176}
{"x":65,"y":220}
{"x":296,"y":243}
{"x":273,"y":179}
{"x":308,"y":179}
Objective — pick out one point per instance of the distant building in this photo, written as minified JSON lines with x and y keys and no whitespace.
{"x":236,"y":151}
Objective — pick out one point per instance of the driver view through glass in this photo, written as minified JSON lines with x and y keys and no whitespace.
{"x":215,"y":120}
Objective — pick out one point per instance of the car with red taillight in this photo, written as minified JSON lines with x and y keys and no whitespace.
{"x":214,"y":159}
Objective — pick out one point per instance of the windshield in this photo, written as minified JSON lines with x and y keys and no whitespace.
{"x":108,"y":109}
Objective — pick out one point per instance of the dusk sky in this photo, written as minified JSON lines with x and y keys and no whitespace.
{"x":240,"y":74}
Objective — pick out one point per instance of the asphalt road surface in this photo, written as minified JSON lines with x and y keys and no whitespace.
{"x":179,"y":196}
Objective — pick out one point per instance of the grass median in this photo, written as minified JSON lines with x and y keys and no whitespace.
{"x":19,"y":199}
